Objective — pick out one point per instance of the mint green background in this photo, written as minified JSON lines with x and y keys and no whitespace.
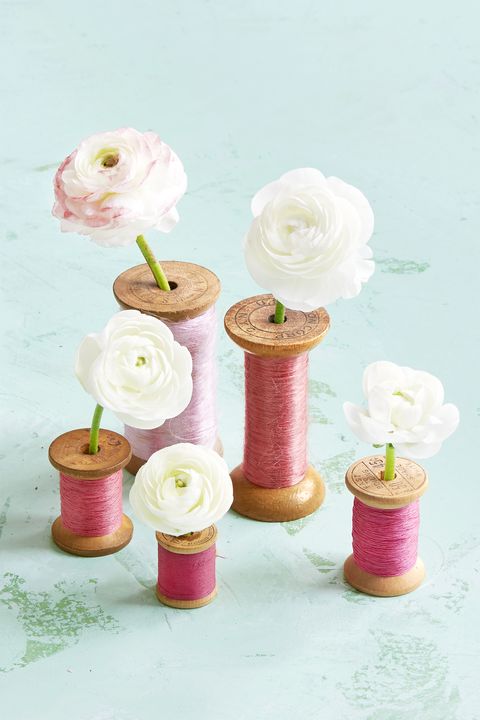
{"x":382,"y":94}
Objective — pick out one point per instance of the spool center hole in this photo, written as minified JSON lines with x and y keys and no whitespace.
{"x":84,"y":449}
{"x":271,"y":318}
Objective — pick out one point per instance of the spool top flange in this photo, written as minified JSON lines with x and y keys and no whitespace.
{"x":194,"y":290}
{"x":249,"y":324}
{"x":197,"y":542}
{"x":364,"y":479}
{"x":69,"y":454}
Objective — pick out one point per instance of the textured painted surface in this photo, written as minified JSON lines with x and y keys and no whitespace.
{"x":384,"y":95}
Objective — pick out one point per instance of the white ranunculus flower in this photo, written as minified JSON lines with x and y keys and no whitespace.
{"x":405,"y":408}
{"x":182,"y":488}
{"x":137,"y":369}
{"x":307,"y":244}
{"x":116,"y":185}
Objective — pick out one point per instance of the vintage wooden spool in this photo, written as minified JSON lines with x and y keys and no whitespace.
{"x":194,"y":289}
{"x":364,"y":478}
{"x":249,"y":323}
{"x":69,"y":454}
{"x":192,"y":544}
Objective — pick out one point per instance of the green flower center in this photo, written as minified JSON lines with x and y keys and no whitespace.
{"x":404,"y":396}
{"x":141,"y":361}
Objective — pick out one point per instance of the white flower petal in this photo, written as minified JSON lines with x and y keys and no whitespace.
{"x":307,"y":241}
{"x":135,"y":368}
{"x":182,"y":488}
{"x":404,"y":408}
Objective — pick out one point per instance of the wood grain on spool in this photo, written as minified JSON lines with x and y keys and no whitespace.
{"x":277,"y":504}
{"x":191,"y":544}
{"x":195,"y":289}
{"x":364,"y":478}
{"x":249,"y":324}
{"x":69,"y":454}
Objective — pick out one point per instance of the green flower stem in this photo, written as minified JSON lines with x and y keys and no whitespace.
{"x":153,"y":264}
{"x":389,"y":472}
{"x":94,"y":430}
{"x":279,"y":313}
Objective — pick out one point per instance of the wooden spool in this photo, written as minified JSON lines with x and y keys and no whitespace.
{"x":69,"y":454}
{"x":250,"y":325}
{"x":187,"y":545}
{"x":194,"y":289}
{"x":364,"y":478}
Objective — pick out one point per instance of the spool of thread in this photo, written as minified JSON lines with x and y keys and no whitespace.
{"x":189,"y":311}
{"x":186,"y":568}
{"x":92,"y":522}
{"x":385,"y":524}
{"x":275,"y":483}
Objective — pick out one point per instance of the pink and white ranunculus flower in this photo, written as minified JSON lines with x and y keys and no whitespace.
{"x":307,"y":244}
{"x":116,"y":185}
{"x":404,"y":407}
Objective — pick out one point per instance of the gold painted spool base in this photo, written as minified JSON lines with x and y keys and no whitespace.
{"x":136,"y":463}
{"x":383,"y":586}
{"x":277,"y":504}
{"x":92,"y":546}
{"x":185,"y":604}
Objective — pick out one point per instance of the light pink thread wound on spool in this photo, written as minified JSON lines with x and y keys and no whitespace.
{"x":198,"y":423}
{"x":186,"y":577}
{"x":91,"y":508}
{"x":385,"y":542}
{"x":276,"y":420}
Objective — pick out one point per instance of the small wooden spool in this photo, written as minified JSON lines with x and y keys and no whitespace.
{"x":250,"y":325}
{"x":69,"y":454}
{"x":192,"y":544}
{"x":364,"y":478}
{"x":194,"y":289}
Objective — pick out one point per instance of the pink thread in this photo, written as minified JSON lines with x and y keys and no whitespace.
{"x":198,"y":423}
{"x":91,"y":508}
{"x":276,"y":419}
{"x":186,"y":577}
{"x":385,"y":541}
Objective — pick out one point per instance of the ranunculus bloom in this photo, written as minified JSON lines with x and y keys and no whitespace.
{"x":307,"y":244}
{"x":405,"y":408}
{"x":116,"y":185}
{"x":135,"y":368}
{"x":182,"y":488}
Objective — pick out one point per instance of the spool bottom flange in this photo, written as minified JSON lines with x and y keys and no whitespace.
{"x":185,"y":604}
{"x":136,"y":462}
{"x":393,"y":586}
{"x":277,"y":504}
{"x":92,"y":546}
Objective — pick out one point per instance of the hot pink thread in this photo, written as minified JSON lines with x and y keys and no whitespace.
{"x":186,"y":577}
{"x":198,"y":423}
{"x":276,"y":419}
{"x":385,"y":541}
{"x":91,"y":508}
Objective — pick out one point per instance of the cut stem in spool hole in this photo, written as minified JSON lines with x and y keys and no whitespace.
{"x":279,"y":316}
{"x":95,"y":430}
{"x":153,"y":264}
{"x":389,"y":472}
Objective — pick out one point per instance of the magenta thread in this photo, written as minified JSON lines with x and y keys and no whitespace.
{"x":91,"y":508}
{"x":198,"y":423}
{"x":385,"y":541}
{"x":276,"y":420}
{"x":186,"y":577}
